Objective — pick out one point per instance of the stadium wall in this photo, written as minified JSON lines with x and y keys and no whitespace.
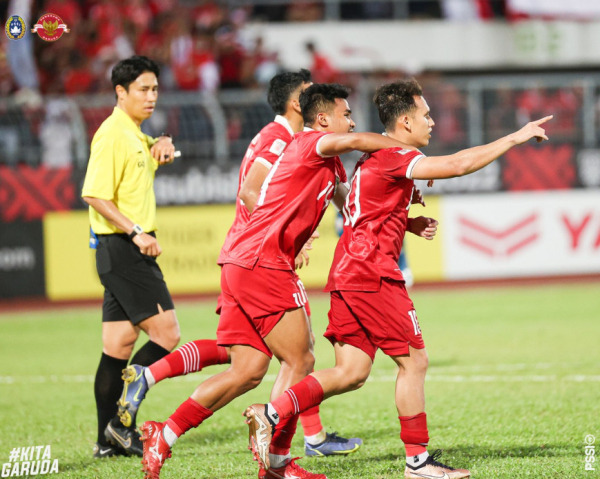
{"x":492,"y":236}
{"x":21,"y":259}
{"x":381,"y":45}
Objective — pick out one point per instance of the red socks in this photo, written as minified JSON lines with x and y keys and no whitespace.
{"x":311,"y":421}
{"x":299,"y":398}
{"x":283,"y":435}
{"x":189,"y":358}
{"x":189,"y":415}
{"x":414,"y":434}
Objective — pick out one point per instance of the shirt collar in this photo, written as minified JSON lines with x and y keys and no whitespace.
{"x":124,"y":118}
{"x":282,"y":120}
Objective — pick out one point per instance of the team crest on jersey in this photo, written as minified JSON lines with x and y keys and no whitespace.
{"x":50,"y":27}
{"x":15,"y":27}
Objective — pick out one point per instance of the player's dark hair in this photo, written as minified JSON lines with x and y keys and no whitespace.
{"x":395,"y":99}
{"x":282,"y":86}
{"x":126,"y":71}
{"x":319,"y":98}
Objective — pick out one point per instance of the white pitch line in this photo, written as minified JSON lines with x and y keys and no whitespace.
{"x":441,"y":378}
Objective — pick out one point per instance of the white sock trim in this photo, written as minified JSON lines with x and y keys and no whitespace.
{"x":418,"y":460}
{"x":272,"y":413}
{"x":316,"y":438}
{"x":149,"y":378}
{"x":278,"y":461}
{"x":170,"y":436}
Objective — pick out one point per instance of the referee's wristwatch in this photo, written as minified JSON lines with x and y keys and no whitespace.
{"x":137,"y":230}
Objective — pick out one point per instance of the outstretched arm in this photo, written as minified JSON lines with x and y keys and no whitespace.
{"x":472,"y":159}
{"x":339,"y":143}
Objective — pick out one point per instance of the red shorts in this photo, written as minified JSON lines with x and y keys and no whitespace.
{"x":385,"y":319}
{"x":306,"y":305}
{"x":252,"y":303}
{"x":220,"y":305}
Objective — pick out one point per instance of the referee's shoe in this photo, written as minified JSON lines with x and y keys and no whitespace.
{"x":124,"y":438}
{"x":135,"y":388}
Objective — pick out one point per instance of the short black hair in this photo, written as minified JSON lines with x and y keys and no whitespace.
{"x":282,"y":86}
{"x":126,"y":71}
{"x":320,"y":97}
{"x":395,"y":99}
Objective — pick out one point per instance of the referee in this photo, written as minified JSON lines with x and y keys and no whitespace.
{"x":119,"y":187}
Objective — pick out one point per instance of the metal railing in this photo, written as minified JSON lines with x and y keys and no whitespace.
{"x":214,"y":131}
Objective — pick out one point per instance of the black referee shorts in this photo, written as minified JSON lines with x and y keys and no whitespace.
{"x":133,"y":282}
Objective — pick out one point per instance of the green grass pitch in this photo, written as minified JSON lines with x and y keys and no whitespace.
{"x":513,"y":389}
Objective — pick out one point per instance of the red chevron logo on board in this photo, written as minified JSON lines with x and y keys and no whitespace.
{"x":499,"y":242}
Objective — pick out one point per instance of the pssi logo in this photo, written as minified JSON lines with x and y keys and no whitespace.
{"x":50,"y":27}
{"x":15,"y":27}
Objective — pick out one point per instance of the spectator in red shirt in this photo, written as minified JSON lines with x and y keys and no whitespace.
{"x":322,"y":69}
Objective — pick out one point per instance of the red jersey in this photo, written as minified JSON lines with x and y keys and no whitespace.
{"x":266,"y":147}
{"x":375,"y":217}
{"x":292,"y":202}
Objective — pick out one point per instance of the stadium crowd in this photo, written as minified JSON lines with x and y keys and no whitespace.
{"x":196,"y":43}
{"x":199,"y":46}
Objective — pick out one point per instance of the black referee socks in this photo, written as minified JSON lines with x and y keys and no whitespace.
{"x":148,"y":354}
{"x":108,"y":386}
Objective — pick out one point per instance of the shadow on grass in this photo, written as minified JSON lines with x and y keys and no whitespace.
{"x":515,"y":451}
{"x":200,"y":446}
{"x":480,"y":452}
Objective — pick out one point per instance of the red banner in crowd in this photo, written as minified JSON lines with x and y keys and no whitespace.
{"x":548,"y":167}
{"x":27,"y":193}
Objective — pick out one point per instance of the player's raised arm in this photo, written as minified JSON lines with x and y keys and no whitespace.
{"x":340,"y":143}
{"x":470,"y":160}
{"x":325,"y":108}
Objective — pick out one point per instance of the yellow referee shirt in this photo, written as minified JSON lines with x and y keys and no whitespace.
{"x":121,"y":169}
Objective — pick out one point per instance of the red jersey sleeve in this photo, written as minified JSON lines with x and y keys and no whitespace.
{"x":397,"y":163}
{"x":268,"y":146}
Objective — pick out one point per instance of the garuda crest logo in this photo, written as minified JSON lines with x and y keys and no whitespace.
{"x":50,"y":27}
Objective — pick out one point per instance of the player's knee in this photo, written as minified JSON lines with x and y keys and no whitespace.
{"x":352,"y":379}
{"x":250,"y":379}
{"x":417,"y":366}
{"x":308,"y":362}
{"x":303,"y":363}
{"x":421,"y":362}
{"x":166,"y":334}
{"x":173,"y":337}
{"x":118,"y":351}
{"x":251,"y":383}
{"x":168,"y":339}
{"x":356,"y":381}
{"x":119,"y":345}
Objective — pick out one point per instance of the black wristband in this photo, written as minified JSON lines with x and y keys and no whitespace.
{"x":137,"y":230}
{"x":165,"y":134}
